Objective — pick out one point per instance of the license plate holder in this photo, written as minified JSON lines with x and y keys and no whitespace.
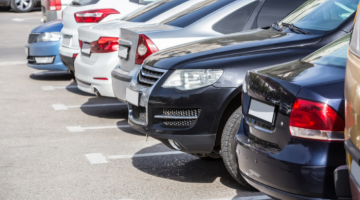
{"x":67,"y":39}
{"x":123,"y":52}
{"x":86,"y":49}
{"x":262,"y":111}
{"x":27,"y":52}
{"x":132,"y":97}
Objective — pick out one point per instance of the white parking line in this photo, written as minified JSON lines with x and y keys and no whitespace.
{"x":47,"y":88}
{"x":74,"y":129}
{"x":23,"y":19}
{"x":12,"y":63}
{"x":263,"y":197}
{"x":63,"y":107}
{"x":47,"y":73}
{"x":96,"y":158}
{"x":144,"y":155}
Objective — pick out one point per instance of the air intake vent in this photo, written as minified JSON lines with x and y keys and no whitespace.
{"x":179,"y":117}
{"x":139,"y":113}
{"x":192,"y":112}
{"x":148,"y":76}
{"x":32,"y":37}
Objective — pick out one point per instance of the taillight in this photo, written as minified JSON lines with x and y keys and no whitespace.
{"x":53,"y":5}
{"x":105,"y":45}
{"x":80,"y":44}
{"x":101,"y":78}
{"x":317,"y":121}
{"x":93,"y":16}
{"x":349,"y":117}
{"x":75,"y":55}
{"x":144,"y":49}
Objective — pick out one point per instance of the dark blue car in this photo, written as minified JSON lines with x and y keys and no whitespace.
{"x":290,"y":138}
{"x":43,"y":47}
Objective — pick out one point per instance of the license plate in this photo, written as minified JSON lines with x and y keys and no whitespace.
{"x":132,"y":97}
{"x":262,"y":111}
{"x":27,"y":51}
{"x":86,"y":48}
{"x":123,"y":52}
{"x":67,"y":40}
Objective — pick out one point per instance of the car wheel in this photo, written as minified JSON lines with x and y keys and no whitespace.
{"x":22,"y":5}
{"x":228,"y":147}
{"x":5,"y":8}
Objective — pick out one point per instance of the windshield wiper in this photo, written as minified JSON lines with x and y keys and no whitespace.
{"x":276,"y":26}
{"x":295,"y":28}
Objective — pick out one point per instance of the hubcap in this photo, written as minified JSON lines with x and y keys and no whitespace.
{"x":23,"y":4}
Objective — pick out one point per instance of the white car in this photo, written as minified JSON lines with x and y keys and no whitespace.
{"x":87,"y":12}
{"x":52,"y":9}
{"x":99,"y":53}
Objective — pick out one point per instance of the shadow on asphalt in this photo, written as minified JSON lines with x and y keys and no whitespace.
{"x":51,"y":76}
{"x":109,"y":112}
{"x":128,"y":129}
{"x":184,"y":168}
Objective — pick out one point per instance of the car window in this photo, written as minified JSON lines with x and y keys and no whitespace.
{"x":274,"y":10}
{"x":196,"y":12}
{"x":83,"y":2}
{"x":321,"y":15}
{"x":153,"y":10}
{"x":236,"y":21}
{"x":146,"y":2}
{"x":334,"y":54}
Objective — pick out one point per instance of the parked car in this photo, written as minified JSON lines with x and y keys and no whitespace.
{"x":93,"y":68}
{"x":296,"y":154}
{"x":209,"y":19}
{"x":52,"y":9}
{"x":43,"y":45}
{"x":183,"y":96}
{"x":352,"y":111}
{"x":85,"y":12}
{"x":19,"y":5}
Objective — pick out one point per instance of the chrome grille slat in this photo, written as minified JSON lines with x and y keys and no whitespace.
{"x":149,"y":75}
{"x":146,"y":80}
{"x":179,"y":116}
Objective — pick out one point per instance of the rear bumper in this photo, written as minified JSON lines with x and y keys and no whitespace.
{"x":304,"y":169}
{"x":354,"y":152}
{"x":121,"y":80}
{"x":69,"y":62}
{"x":51,"y":15}
{"x":4,"y":2}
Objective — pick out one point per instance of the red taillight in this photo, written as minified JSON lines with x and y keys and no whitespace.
{"x":75,"y":55}
{"x":53,"y":5}
{"x":93,"y":16}
{"x":80,"y":44}
{"x":100,"y":78}
{"x":314,"y":120}
{"x":105,"y":45}
{"x":144,"y":49}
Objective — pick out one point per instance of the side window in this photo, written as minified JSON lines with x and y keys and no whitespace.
{"x":275,"y":10}
{"x":236,"y":21}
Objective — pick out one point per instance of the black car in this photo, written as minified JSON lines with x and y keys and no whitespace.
{"x":184,"y":96}
{"x":290,"y":128}
{"x":19,"y":5}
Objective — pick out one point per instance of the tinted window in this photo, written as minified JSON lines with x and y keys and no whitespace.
{"x":146,"y":2}
{"x":321,"y":15}
{"x":275,"y":10}
{"x":236,"y":21}
{"x":195,"y":13}
{"x":153,"y":10}
{"x":83,"y":2}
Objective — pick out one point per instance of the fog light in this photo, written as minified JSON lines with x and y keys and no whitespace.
{"x":44,"y":60}
{"x":174,"y":144}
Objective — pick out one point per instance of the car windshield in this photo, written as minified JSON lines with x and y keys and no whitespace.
{"x":334,"y":54}
{"x":152,"y":10}
{"x":321,"y":15}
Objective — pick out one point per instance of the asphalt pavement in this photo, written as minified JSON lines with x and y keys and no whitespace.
{"x":57,"y":142}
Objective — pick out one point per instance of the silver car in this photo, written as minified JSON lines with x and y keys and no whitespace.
{"x":210,"y":18}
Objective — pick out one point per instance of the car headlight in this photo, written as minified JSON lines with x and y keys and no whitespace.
{"x":49,"y":37}
{"x":189,"y":79}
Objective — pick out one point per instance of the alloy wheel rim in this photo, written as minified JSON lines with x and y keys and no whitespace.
{"x":23,"y":4}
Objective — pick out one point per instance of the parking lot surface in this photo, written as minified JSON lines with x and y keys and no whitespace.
{"x":57,"y":142}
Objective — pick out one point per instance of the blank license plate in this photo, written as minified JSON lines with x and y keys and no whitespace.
{"x":27,"y":51}
{"x":86,"y":48}
{"x":123,"y":52}
{"x":132,"y":97}
{"x":67,"y":40}
{"x":261,"y":110}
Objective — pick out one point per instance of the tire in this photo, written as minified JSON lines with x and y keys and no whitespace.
{"x":5,"y":8}
{"x":20,"y":6}
{"x":228,"y":148}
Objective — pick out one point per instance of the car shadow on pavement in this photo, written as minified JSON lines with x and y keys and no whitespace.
{"x":128,"y":129}
{"x":94,"y":107}
{"x":184,"y":168}
{"x":48,"y":76}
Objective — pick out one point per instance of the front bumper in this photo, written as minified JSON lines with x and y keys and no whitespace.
{"x":45,"y":49}
{"x":304,"y":169}
{"x":193,"y":133}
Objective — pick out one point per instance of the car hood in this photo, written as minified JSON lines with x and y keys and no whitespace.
{"x":240,"y":44}
{"x":54,"y":26}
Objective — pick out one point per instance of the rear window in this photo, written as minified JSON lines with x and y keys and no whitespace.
{"x":83,"y":2}
{"x":153,"y":10}
{"x":196,"y":12}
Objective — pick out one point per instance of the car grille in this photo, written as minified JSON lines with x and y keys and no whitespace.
{"x":139,"y":113}
{"x":31,"y":60}
{"x":32,"y":37}
{"x":179,"y":117}
{"x":147,"y":76}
